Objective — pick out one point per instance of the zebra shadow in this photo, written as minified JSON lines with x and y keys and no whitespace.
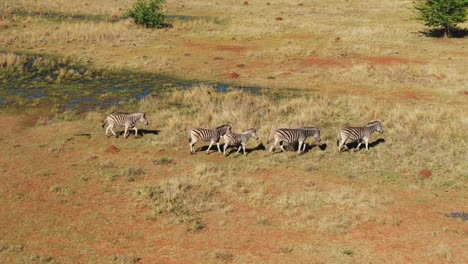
{"x":141,"y":132}
{"x":309,"y":147}
{"x":231,"y":149}
{"x":353,"y":145}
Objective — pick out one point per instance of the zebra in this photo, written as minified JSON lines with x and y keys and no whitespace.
{"x":290,"y":135}
{"x":205,"y":134}
{"x":124,"y":119}
{"x":238,"y":139}
{"x":358,"y":133}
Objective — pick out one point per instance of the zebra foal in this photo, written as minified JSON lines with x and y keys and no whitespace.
{"x":205,"y":134}
{"x":358,"y":133}
{"x":124,"y":120}
{"x":290,"y":135}
{"x":233,"y":139}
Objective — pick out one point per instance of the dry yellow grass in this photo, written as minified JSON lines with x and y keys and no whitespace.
{"x":349,"y":63}
{"x":11,"y":60}
{"x":350,"y":40}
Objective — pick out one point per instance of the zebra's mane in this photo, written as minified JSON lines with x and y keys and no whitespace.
{"x":316,"y":128}
{"x":222,"y":126}
{"x":250,"y":130}
{"x":373,"y":123}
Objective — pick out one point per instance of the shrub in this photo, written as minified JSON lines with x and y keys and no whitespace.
{"x":148,"y":13}
{"x":442,"y":13}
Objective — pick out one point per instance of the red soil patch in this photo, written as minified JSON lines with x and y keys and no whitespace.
{"x":112,"y":149}
{"x":233,"y":75}
{"x":425,"y":173}
{"x":391,"y":61}
{"x":240,"y":65}
{"x":411,"y":95}
{"x":325,"y":63}
{"x":232,"y":48}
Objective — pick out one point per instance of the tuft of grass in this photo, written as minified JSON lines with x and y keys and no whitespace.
{"x":223,"y":256}
{"x":132,"y":173}
{"x":9,"y":60}
{"x":60,"y":189}
{"x":348,"y":252}
{"x":182,"y":198}
{"x":196,"y":225}
{"x":164,"y":161}
{"x":124,"y":259}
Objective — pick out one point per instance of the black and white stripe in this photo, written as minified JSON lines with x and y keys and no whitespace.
{"x":205,"y":134}
{"x":124,"y":120}
{"x":358,"y":133}
{"x":233,"y":139}
{"x":290,"y":135}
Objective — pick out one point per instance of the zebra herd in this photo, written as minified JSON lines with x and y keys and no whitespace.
{"x":279,"y":136}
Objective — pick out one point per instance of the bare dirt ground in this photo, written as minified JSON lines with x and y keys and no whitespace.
{"x":59,"y":204}
{"x":68,"y":194}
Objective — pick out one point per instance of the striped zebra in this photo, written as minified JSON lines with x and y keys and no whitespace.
{"x":233,"y":139}
{"x":358,"y":133}
{"x":205,"y":134}
{"x":124,"y":120}
{"x":290,"y":135}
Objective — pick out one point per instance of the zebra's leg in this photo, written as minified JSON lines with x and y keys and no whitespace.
{"x":125,"y":131}
{"x":299,"y":148}
{"x":273,"y":146}
{"x":243,"y":147}
{"x":209,"y":147}
{"x":239,"y":149}
{"x":107,"y":130}
{"x":342,"y":144}
{"x":113,"y":132}
{"x":219,"y":149}
{"x":282,"y":147}
{"x":225,"y":147}
{"x":136,"y":131}
{"x":366,"y":140}
{"x":357,"y":148}
{"x":304,"y":147}
{"x":192,"y":150}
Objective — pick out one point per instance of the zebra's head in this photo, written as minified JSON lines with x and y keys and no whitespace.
{"x":143,"y":118}
{"x":377,"y":126}
{"x":223,"y":129}
{"x":313,"y":131}
{"x":252,"y":132}
{"x":317,"y":135}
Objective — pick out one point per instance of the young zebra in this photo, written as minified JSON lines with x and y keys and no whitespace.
{"x":205,"y":134}
{"x":358,"y":133}
{"x":238,"y":139}
{"x":290,"y":135}
{"x":124,"y":120}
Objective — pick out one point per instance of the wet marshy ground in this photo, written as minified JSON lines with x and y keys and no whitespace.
{"x":36,"y":80}
{"x":31,"y":80}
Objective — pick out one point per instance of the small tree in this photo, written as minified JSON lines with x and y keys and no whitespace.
{"x":148,"y":13}
{"x":442,"y":13}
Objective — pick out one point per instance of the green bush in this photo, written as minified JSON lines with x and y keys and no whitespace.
{"x":148,"y":13}
{"x":442,"y":13}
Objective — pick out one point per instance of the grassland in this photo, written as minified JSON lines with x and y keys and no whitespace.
{"x":68,"y":197}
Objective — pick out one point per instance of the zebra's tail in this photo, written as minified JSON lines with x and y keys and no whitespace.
{"x":104,"y":123}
